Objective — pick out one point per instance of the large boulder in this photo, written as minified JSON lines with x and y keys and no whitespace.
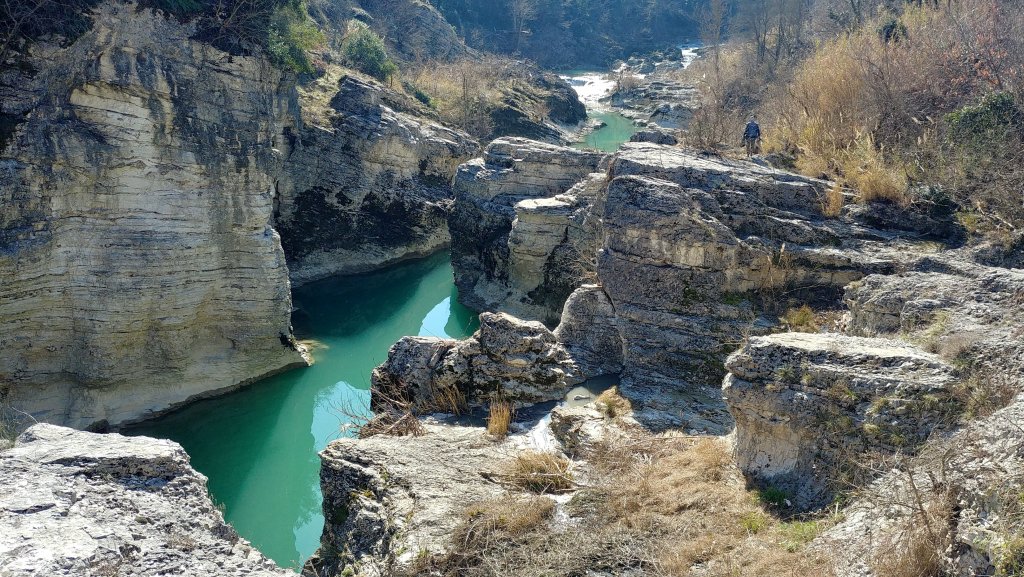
{"x":506,"y":358}
{"x":80,"y":504}
{"x":589,"y":332}
{"x":807,"y":406}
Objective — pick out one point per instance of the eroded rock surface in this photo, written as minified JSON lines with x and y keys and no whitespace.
{"x":388,"y":500}
{"x":368,"y":183}
{"x":139,"y":265}
{"x":79,"y":504}
{"x":808,"y":405}
{"x":506,"y":358}
{"x":515,"y":177}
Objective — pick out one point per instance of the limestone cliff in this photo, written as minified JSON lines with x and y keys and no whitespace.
{"x":516,"y":175}
{"x":368,"y":182}
{"x":691,"y":253}
{"x":79,"y":504}
{"x":139,"y":267}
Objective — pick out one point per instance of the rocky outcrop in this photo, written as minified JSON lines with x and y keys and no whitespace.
{"x":807,"y":406}
{"x":515,"y":177}
{"x":389,"y":500}
{"x":966,"y":488}
{"x":689,"y":250}
{"x":385,"y":194}
{"x":139,"y":265}
{"x":506,"y":358}
{"x":655,"y":137}
{"x":589,"y":331}
{"x":85,"y":505}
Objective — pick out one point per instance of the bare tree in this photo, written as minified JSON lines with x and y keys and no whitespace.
{"x":522,"y":12}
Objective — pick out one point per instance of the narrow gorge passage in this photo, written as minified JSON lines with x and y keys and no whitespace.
{"x":259,"y":446}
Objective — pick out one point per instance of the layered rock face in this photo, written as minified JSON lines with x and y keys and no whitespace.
{"x":689,"y":250}
{"x":385,"y":192}
{"x":85,"y":505}
{"x":808,"y":405}
{"x":388,"y":500}
{"x":507,"y":358}
{"x":139,"y":265}
{"x":517,"y":183}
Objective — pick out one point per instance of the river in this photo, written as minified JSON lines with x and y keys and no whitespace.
{"x":592,"y":86}
{"x":258,"y":446}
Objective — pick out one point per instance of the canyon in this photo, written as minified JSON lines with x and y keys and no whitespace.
{"x":173,"y":220}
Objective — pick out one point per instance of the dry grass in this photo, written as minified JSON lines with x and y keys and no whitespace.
{"x":865,"y":169}
{"x":499,"y":418}
{"x":509,"y":516}
{"x":832,"y":204}
{"x":652,"y":506}
{"x":918,"y":547}
{"x":540,"y":472}
{"x":447,"y":399}
{"x":801,"y":320}
{"x":612,"y":404}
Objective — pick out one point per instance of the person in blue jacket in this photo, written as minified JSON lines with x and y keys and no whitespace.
{"x":752,"y":136}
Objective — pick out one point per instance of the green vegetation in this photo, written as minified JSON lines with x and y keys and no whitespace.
{"x":292,"y":34}
{"x":365,"y":51}
{"x":773,"y":496}
{"x":566,"y":33}
{"x":281,"y":29}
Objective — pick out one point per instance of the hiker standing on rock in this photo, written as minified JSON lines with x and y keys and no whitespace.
{"x":752,"y":136}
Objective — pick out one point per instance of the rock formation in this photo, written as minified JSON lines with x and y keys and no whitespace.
{"x":808,"y":405}
{"x":139,"y":265}
{"x":507,"y":358}
{"x":85,"y":505}
{"x":689,"y":250}
{"x":385,"y":192}
{"x":515,"y":175}
{"x":388,"y":500}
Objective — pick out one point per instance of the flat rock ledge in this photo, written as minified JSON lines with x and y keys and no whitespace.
{"x":806,"y":405}
{"x":388,"y":500}
{"x":81,"y":504}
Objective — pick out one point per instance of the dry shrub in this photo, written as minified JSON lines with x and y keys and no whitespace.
{"x":445,"y":399}
{"x":499,"y":418}
{"x":392,"y":423}
{"x":983,"y":392}
{"x":509,"y":516}
{"x":612,"y":404}
{"x":918,"y":547}
{"x":625,"y":82}
{"x":541,"y":472}
{"x":800,"y":320}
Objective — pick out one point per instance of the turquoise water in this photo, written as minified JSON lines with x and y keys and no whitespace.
{"x":259,"y":446}
{"x":617,"y":130}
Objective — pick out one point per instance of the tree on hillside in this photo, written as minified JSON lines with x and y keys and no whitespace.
{"x":365,"y":51}
{"x":522,"y":13}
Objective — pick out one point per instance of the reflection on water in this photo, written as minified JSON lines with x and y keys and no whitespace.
{"x":259,"y":446}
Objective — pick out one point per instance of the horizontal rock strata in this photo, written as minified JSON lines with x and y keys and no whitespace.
{"x":385,"y":192}
{"x":807,"y":406}
{"x":139,"y":265}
